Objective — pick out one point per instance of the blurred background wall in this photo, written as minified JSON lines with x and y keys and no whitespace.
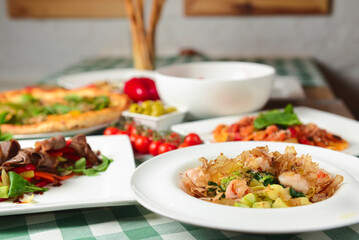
{"x":31,"y":49}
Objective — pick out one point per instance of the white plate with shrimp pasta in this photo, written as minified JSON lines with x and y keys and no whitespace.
{"x":252,"y":187}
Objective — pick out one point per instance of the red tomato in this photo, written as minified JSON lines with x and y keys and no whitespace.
{"x":111,"y":131}
{"x":134,"y":131}
{"x":173,"y":138}
{"x":133,"y":138}
{"x":153,"y":148}
{"x":152,"y":88}
{"x":141,"y":89}
{"x":166,"y":147}
{"x":192,"y":139}
{"x":121,"y":132}
{"x":128,"y":126}
{"x":21,"y":169}
{"x":293,"y":132}
{"x":183,"y":145}
{"x":141,"y":144}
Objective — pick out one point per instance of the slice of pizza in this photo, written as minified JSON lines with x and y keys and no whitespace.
{"x":52,"y":109}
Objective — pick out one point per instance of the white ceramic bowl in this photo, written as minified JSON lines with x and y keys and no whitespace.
{"x":212,"y":89}
{"x":160,"y":123}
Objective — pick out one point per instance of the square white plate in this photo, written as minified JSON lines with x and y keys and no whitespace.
{"x":109,"y":188}
{"x":346,"y":128}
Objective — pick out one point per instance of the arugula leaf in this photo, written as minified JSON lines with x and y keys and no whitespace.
{"x":80,"y":167}
{"x":285,"y":118}
{"x":80,"y":164}
{"x":5,"y":136}
{"x":104,"y":165}
{"x":19,"y":186}
{"x":90,"y":172}
{"x":28,"y":98}
{"x":73,"y":98}
{"x":101,"y":102}
{"x":3,"y":117}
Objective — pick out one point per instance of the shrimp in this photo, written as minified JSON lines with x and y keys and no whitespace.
{"x":237,"y":188}
{"x":295,"y":181}
{"x":259,"y":163}
{"x":194,"y":177}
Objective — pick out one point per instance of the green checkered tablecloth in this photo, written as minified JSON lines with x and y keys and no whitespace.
{"x":135,"y":221}
{"x":304,"y":69}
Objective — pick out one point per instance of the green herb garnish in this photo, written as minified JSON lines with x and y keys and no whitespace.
{"x":80,"y":167}
{"x":295,"y":194}
{"x":19,"y":186}
{"x":283,"y":118}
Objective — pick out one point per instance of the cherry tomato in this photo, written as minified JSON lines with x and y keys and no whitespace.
{"x":133,"y":138}
{"x":129,"y":126}
{"x":183,"y":145}
{"x":122,"y":132}
{"x":111,"y":131}
{"x":134,"y":131}
{"x":192,"y":139}
{"x":153,"y":148}
{"x":141,"y":144}
{"x":166,"y":147}
{"x":173,"y":138}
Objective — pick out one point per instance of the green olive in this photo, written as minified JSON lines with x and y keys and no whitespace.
{"x":147,"y":111}
{"x":152,"y":108}
{"x":147,"y":104}
{"x":135,"y":108}
{"x":170,"y":109}
{"x":157,"y":110}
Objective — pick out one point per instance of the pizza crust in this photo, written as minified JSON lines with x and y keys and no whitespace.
{"x":68,"y":121}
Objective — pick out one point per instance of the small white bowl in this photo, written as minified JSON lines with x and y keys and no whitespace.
{"x":160,"y":123}
{"x":212,"y":89}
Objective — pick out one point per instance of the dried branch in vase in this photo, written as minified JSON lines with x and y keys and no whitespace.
{"x":143,"y":40}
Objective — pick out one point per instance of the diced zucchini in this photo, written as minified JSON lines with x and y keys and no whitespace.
{"x":3,"y":192}
{"x":249,"y":199}
{"x":255,"y":183}
{"x":276,"y":187}
{"x":258,"y":188}
{"x":263,"y":204}
{"x":304,"y":200}
{"x":272,"y":194}
{"x":279,"y":203}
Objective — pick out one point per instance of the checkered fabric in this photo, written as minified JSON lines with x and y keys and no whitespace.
{"x":304,"y":69}
{"x":132,"y":222}
{"x":135,"y":221}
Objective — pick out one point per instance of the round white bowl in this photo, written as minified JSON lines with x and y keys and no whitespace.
{"x":212,"y":89}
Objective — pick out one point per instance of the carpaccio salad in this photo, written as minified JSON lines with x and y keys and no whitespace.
{"x":280,"y":126}
{"x":260,"y":179}
{"x":27,"y":171}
